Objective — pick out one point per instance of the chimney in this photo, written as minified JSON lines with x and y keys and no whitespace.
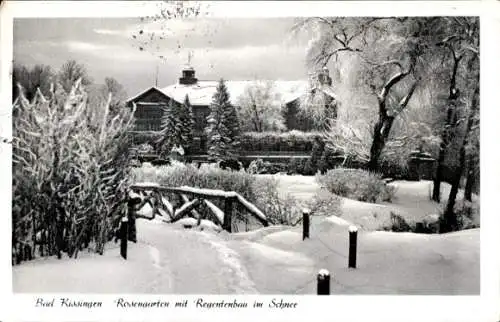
{"x":188,"y":76}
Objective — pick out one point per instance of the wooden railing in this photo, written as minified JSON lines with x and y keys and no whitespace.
{"x":187,"y":203}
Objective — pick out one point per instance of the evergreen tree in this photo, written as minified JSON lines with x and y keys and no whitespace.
{"x":222,"y":126}
{"x":171,"y":133}
{"x":233,"y":130}
{"x":187,"y":125}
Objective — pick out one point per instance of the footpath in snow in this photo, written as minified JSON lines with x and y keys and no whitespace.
{"x":272,"y":260}
{"x":166,"y":260}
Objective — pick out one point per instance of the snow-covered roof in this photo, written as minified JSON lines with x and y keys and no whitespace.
{"x":201,"y":93}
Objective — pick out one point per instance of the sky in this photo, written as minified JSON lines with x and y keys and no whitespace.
{"x":231,"y":48}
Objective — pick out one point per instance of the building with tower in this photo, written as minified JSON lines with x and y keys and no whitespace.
{"x":150,"y":103}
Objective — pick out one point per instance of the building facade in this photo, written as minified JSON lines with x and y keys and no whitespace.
{"x":151,"y":102}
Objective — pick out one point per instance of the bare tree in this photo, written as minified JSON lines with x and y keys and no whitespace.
{"x":459,"y":38}
{"x":70,"y":72}
{"x":470,"y":138}
{"x":260,"y":108}
{"x":389,"y":48}
{"x":112,"y":86}
{"x":38,"y":77}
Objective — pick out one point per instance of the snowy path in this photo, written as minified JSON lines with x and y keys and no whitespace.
{"x":166,"y":260}
{"x":197,"y":262}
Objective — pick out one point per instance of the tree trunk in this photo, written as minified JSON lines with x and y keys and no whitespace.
{"x":381,"y":132}
{"x":257,"y":122}
{"x":450,"y":219}
{"x":445,"y":133}
{"x":469,"y":184}
{"x":445,"y":140}
{"x":382,"y":128}
{"x":472,"y":174}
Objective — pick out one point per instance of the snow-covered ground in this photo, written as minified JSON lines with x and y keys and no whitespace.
{"x":388,"y":263}
{"x":411,"y":200}
{"x":169,"y":259}
{"x":166,"y":259}
{"x":273,"y":260}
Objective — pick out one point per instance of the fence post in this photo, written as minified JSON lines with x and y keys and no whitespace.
{"x":133,"y":200}
{"x":228,"y":213}
{"x":123,"y":237}
{"x":323,"y":282}
{"x":305,"y":223}
{"x":419,"y":227}
{"x":353,"y":243}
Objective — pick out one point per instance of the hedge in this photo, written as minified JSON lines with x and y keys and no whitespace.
{"x":293,"y":141}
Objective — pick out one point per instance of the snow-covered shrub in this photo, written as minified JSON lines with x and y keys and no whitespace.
{"x":265,"y":167}
{"x":301,"y":166}
{"x":398,"y":224}
{"x":145,"y":148}
{"x":325,"y":204}
{"x":356,"y":184}
{"x":280,"y":210}
{"x":431,"y":223}
{"x":467,"y":213}
{"x":210,"y":177}
{"x":286,"y":209}
{"x":69,"y":169}
{"x":392,"y":167}
{"x":257,"y":167}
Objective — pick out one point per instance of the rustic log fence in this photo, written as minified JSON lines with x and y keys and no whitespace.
{"x":189,"y":200}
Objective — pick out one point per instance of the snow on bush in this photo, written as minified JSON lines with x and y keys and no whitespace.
{"x":207,"y":177}
{"x":286,"y":209}
{"x":69,"y":169}
{"x":356,"y":184}
{"x":280,"y":210}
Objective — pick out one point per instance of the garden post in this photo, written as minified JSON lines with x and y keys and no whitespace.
{"x":323,"y":282}
{"x":353,"y":245}
{"x":228,"y":213}
{"x":133,"y":200}
{"x":305,"y":223}
{"x":123,"y":237}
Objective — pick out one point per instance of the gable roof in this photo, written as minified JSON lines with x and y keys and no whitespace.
{"x":144,"y":92}
{"x":201,"y":93}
